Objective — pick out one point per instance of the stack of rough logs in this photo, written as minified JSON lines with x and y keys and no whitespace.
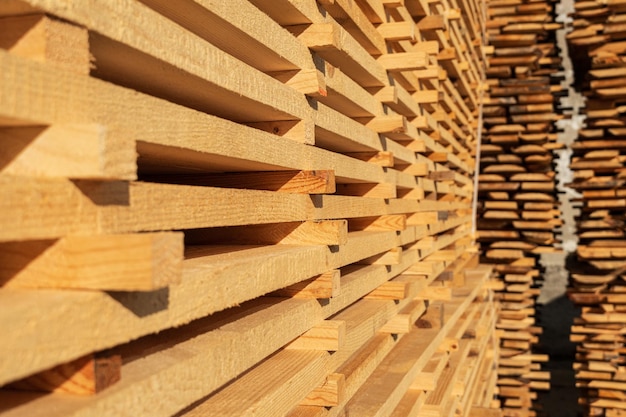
{"x":597,"y":282}
{"x":241,"y":207}
{"x":518,"y":210}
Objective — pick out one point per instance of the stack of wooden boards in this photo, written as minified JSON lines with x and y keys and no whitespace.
{"x":597,"y":276}
{"x":240,"y":208}
{"x":518,"y":210}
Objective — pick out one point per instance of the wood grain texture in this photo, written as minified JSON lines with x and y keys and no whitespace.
{"x":299,"y":182}
{"x":134,"y":262}
{"x":70,"y":151}
{"x":84,"y":376}
{"x":199,"y":64}
{"x":185,"y":138}
{"x":272,"y":388}
{"x":46,"y":39}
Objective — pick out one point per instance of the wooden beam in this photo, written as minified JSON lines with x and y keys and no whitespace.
{"x":47,"y":39}
{"x":62,"y":207}
{"x":382,"y":190}
{"x":331,"y":393}
{"x":397,"y":31}
{"x":71,"y":151}
{"x":87,"y":375}
{"x":378,"y":223}
{"x":124,"y":56}
{"x":382,"y":158}
{"x":328,"y":335}
{"x":301,"y":182}
{"x":390,"y":381}
{"x":404,"y":321}
{"x":329,"y":232}
{"x":226,"y":336}
{"x":325,"y":285}
{"x":404,"y":61}
{"x":391,"y":257}
{"x":279,"y":383}
{"x":133,"y":262}
{"x":185,"y":139}
{"x":335,"y":45}
{"x":259,"y":42}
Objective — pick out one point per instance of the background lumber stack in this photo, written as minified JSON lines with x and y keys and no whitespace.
{"x":518,"y":210}
{"x":242,"y":208}
{"x":597,"y":273}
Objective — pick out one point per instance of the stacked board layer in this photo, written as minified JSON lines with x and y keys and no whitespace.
{"x":597,"y":276}
{"x":518,"y":210}
{"x":242,"y":208}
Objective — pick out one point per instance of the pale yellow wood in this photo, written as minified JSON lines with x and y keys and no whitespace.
{"x":300,"y":182}
{"x":87,"y":375}
{"x":391,"y":257}
{"x":327,"y":335}
{"x":63,"y":207}
{"x":71,"y":151}
{"x":424,"y":218}
{"x":360,"y":26}
{"x":199,"y":66}
{"x":387,"y":124}
{"x":238,"y":28}
{"x":363,"y":321}
{"x":449,"y":344}
{"x":384,"y":190}
{"x":361,"y":245}
{"x":46,"y":39}
{"x":434,"y":292}
{"x":380,"y":223}
{"x":219,"y":346}
{"x":383,"y":158}
{"x":336,"y":46}
{"x":133,"y":262}
{"x":271,"y":388}
{"x":328,"y":232}
{"x":396,"y":31}
{"x":336,"y":131}
{"x":410,"y":404}
{"x":238,"y":274}
{"x":427,"y":379}
{"x":347,"y":96}
{"x":325,"y":285}
{"x":214,"y":143}
{"x":212,"y":280}
{"x":405,"y":319}
{"x":329,"y":394}
{"x":426,"y":96}
{"x":401,"y":287}
{"x":389,"y":382}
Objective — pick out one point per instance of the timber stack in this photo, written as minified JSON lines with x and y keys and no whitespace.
{"x":518,"y":210}
{"x":597,"y":279}
{"x":240,"y":208}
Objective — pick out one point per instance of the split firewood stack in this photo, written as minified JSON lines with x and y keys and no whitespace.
{"x":518,"y":209}
{"x":242,"y":207}
{"x":597,"y":279}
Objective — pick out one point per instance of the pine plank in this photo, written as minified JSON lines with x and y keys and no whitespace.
{"x":284,"y":378}
{"x":46,"y":39}
{"x":134,"y":262}
{"x":198,"y":67}
{"x":71,"y":151}
{"x":87,"y":375}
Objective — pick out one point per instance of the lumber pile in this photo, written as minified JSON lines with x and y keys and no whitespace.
{"x":242,"y":208}
{"x":518,"y":210}
{"x":597,"y":275}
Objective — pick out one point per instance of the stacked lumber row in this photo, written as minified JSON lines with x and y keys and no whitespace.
{"x":597,"y":276}
{"x":241,"y":208}
{"x":518,"y":209}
